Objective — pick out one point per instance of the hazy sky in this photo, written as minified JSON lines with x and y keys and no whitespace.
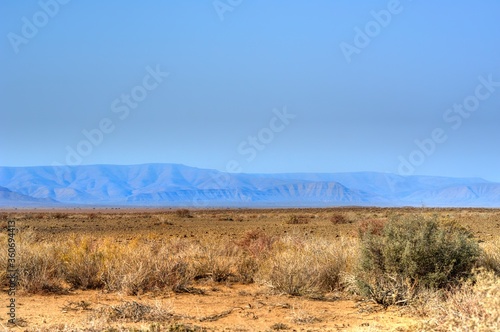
{"x":409,"y":87}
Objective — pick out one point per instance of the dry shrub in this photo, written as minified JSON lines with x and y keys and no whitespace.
{"x":39,"y":269}
{"x":256,"y":242}
{"x":142,"y":267}
{"x":372,"y":226}
{"x":475,"y":306}
{"x":246,"y":269}
{"x":338,"y":219}
{"x":490,"y":256}
{"x":88,"y":263}
{"x":309,"y":268}
{"x":83,"y":263}
{"x":59,"y":215}
{"x":302,"y":317}
{"x":297,"y":220}
{"x":37,"y":263}
{"x":279,"y":327}
{"x":217,"y":261}
{"x":134,"y":312}
{"x":413,"y":252}
{"x":256,"y":246}
{"x":183,"y":213}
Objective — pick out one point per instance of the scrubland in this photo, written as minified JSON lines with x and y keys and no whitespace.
{"x":339,"y":269}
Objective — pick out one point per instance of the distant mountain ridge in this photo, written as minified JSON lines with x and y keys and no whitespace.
{"x":179,"y":185}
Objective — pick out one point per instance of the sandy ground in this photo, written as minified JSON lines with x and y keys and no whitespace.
{"x":221,"y":308}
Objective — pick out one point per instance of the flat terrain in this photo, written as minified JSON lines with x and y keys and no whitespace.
{"x":224,"y":305}
{"x":231,"y":223}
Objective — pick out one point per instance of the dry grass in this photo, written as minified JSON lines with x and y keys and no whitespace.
{"x":292,"y":265}
{"x":134,"y":312}
{"x":297,"y":220}
{"x":86,"y":262}
{"x":490,"y":258}
{"x":183,"y":213}
{"x":474,"y":306}
{"x":256,"y":242}
{"x":300,"y":267}
{"x":338,"y":218}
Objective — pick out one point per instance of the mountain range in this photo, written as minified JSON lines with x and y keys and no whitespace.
{"x":178,"y":185}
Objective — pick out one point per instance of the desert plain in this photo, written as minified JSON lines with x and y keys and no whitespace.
{"x":174,"y":269}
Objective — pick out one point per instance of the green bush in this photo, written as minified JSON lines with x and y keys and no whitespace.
{"x":414,"y":252}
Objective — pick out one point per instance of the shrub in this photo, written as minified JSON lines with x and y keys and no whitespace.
{"x":372,"y":226}
{"x":475,"y":306}
{"x":37,"y":264}
{"x":215,"y":261}
{"x":412,"y":252}
{"x":308,"y":268}
{"x":83,"y":263}
{"x":38,"y":270}
{"x":297,"y":220}
{"x":140,"y":267}
{"x":256,"y":243}
{"x":246,"y":269}
{"x":134,"y":312}
{"x":183,"y":213}
{"x":490,"y":257}
{"x":338,"y":219}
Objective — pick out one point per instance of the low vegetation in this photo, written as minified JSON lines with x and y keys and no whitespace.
{"x":412,"y":253}
{"x":434,"y":267}
{"x":473,"y":306}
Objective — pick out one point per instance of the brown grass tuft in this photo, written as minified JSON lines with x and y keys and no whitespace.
{"x":338,"y":219}
{"x":297,"y":220}
{"x":474,"y":306}
{"x":183,"y":213}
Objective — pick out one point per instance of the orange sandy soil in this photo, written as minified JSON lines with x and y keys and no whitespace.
{"x":222,"y":308}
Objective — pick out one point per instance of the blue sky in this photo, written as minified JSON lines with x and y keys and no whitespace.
{"x":408,"y":87}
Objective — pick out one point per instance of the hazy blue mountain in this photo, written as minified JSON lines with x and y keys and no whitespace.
{"x":178,"y":185}
{"x":10,"y":198}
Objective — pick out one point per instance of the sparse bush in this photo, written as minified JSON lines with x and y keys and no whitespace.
{"x":140,"y":267}
{"x":39,"y":269}
{"x":217,"y":261}
{"x":134,"y":312}
{"x":221,"y":261}
{"x":60,"y":215}
{"x":297,"y":220}
{"x":38,"y":264}
{"x":256,"y":243}
{"x":183,"y":213}
{"x":279,"y":327}
{"x":372,"y":226}
{"x":474,"y":306}
{"x":247,"y":269}
{"x":309,"y":268}
{"x":302,"y":317}
{"x":413,"y":252}
{"x":83,"y":263}
{"x":338,"y":219}
{"x":490,"y":256}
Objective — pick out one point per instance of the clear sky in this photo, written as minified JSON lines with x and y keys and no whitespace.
{"x":408,"y":87}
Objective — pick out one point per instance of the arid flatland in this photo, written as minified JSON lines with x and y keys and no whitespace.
{"x":229,"y":257}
